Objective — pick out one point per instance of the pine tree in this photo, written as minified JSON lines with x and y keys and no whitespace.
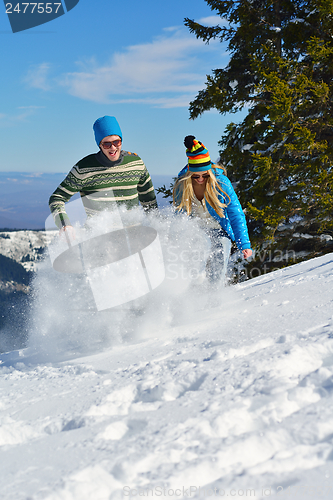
{"x":280,"y":156}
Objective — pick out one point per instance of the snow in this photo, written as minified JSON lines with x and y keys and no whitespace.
{"x":25,"y":246}
{"x":223,"y":395}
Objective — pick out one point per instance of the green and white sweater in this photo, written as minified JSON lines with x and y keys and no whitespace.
{"x":102,"y":184}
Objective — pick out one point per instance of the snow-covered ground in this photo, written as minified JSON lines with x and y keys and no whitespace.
{"x":25,"y":247}
{"x":196,"y":398}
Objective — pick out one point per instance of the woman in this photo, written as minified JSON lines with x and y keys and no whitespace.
{"x":203,"y":191}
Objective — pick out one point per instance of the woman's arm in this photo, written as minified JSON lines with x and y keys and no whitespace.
{"x":236,"y":216}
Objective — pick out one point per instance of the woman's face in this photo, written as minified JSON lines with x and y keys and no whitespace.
{"x":200,"y":178}
{"x":111,"y":147}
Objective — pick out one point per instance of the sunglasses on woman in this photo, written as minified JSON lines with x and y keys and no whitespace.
{"x":108,"y":144}
{"x":205,"y":176}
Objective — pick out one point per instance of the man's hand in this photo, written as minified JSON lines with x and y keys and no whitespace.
{"x":67,"y":232}
{"x":247,"y":253}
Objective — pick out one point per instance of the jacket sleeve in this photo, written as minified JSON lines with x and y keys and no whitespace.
{"x":236,"y":215}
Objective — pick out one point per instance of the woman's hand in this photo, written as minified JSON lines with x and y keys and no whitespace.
{"x":247,"y":253}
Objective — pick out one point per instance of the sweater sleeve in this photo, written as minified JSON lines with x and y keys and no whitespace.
{"x":69,"y":186}
{"x":146,"y":192}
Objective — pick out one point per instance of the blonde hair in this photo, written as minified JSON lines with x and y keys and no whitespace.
{"x":183,"y":193}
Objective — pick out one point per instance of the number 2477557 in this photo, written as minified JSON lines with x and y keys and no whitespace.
{"x":31,"y":8}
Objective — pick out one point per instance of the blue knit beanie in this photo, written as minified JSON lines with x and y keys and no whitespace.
{"x":107,"y":125}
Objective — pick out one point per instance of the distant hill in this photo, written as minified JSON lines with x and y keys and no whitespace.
{"x":19,"y":253}
{"x":14,"y":286}
{"x":10,"y":270}
{"x":24,"y":198}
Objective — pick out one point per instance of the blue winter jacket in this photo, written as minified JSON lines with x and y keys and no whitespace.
{"x":234,"y":222}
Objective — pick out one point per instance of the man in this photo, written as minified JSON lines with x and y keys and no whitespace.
{"x":105,"y":179}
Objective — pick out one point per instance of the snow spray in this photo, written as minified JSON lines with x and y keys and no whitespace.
{"x":80,"y":312}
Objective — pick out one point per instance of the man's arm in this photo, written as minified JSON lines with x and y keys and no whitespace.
{"x":147,"y":196}
{"x":62,"y":195}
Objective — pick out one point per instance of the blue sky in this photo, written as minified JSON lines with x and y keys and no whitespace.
{"x":133,"y":59}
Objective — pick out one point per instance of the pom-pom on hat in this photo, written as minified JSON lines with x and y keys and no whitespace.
{"x":197,"y":154}
{"x":107,"y":125}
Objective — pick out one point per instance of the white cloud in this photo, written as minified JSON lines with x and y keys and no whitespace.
{"x":180,"y":101}
{"x":31,"y":107}
{"x":38,"y":76}
{"x":212,"y":21}
{"x":10,"y":120}
{"x":161,"y":66}
{"x":167,"y":72}
{"x":33,"y":174}
{"x":9,"y":209}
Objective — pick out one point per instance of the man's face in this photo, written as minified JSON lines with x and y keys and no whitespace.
{"x":111,"y":147}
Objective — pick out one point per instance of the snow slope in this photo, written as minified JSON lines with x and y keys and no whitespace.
{"x":235,"y":399}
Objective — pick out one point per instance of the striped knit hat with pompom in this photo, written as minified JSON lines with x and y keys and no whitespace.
{"x":198,"y":155}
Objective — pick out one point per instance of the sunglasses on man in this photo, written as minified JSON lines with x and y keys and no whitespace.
{"x":109,"y":144}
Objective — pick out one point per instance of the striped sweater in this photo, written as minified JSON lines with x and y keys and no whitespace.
{"x":102,"y":184}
